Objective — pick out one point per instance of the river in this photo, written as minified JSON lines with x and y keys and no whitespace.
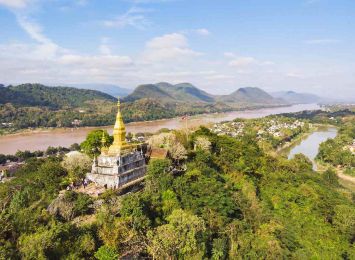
{"x":310,"y":145}
{"x":41,"y":139}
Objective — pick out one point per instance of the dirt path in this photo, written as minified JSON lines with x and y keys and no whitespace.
{"x":343,"y":176}
{"x":339,"y":172}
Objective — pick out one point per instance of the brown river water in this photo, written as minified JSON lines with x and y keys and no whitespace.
{"x":41,"y":139}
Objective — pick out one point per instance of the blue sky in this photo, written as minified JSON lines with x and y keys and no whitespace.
{"x":301,"y":45}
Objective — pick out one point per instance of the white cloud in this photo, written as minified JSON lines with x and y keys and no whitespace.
{"x":46,"y":47}
{"x":295,"y":75}
{"x":103,"y":61}
{"x":82,"y":2}
{"x":220,"y":77}
{"x":322,"y":41}
{"x":310,"y":2}
{"x":104,"y":48}
{"x":15,"y":3}
{"x":229,"y":55}
{"x":185,"y":73}
{"x":169,"y":46}
{"x":134,"y":17}
{"x":203,"y":32}
{"x":149,"y":1}
{"x":242,"y":62}
{"x":172,"y":40}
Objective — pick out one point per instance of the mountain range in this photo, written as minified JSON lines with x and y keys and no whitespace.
{"x":297,"y":98}
{"x":163,"y":92}
{"x":113,"y":90}
{"x":36,"y":105}
{"x":187,"y":93}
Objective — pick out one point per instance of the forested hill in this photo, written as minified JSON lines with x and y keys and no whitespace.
{"x":51,"y":97}
{"x":251,"y":95}
{"x":186,"y":92}
{"x":166,"y":92}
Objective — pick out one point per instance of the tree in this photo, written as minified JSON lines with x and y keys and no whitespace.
{"x":202,"y":143}
{"x":161,"y":140}
{"x":220,"y":248}
{"x":180,"y":238}
{"x":92,"y":144}
{"x":170,"y":142}
{"x":159,"y":177}
{"x":344,"y":220}
{"x":51,"y":150}
{"x":330,"y":177}
{"x":106,"y":253}
{"x":24,"y":155}
{"x":303,"y":163}
{"x":117,"y":232}
{"x":3,"y":159}
{"x":77,"y":165}
{"x":177,"y":152}
{"x":170,"y":202}
{"x":74,"y":147}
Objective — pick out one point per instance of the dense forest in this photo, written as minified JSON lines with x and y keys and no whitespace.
{"x":233,"y":201}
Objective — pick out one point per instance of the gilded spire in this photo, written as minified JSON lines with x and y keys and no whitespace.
{"x":119,"y":133}
{"x":104,"y":149}
{"x":103,"y":138}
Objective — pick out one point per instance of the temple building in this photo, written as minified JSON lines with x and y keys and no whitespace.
{"x":119,"y":164}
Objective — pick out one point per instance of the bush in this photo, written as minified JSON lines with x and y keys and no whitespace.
{"x":330,"y":177}
{"x":106,"y":253}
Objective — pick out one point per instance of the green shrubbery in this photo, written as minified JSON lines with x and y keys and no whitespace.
{"x":234,"y":201}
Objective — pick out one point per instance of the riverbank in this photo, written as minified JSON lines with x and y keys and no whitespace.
{"x":40,"y":139}
{"x":285,"y":148}
{"x":3,"y":132}
{"x":346,"y":181}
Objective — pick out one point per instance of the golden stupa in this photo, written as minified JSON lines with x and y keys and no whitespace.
{"x":119,"y":144}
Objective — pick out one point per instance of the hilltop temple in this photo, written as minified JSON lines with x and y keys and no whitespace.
{"x":119,"y":164}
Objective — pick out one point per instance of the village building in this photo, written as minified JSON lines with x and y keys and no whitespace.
{"x":119,"y":164}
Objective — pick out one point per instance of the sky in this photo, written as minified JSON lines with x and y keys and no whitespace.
{"x":219,"y":46}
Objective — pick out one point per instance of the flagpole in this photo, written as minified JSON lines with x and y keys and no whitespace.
{"x":187,"y":137}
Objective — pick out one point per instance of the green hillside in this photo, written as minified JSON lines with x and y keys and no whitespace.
{"x":149,"y":91}
{"x":51,"y":97}
{"x":166,"y":92}
{"x":186,"y":92}
{"x":249,"y":95}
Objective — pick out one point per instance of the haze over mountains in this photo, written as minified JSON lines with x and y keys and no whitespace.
{"x":36,"y":105}
{"x":163,"y":92}
{"x":297,"y":98}
{"x":35,"y":94}
{"x":186,"y":92}
{"x":113,"y":90}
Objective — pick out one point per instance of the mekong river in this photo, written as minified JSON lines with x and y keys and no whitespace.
{"x":40,"y":140}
